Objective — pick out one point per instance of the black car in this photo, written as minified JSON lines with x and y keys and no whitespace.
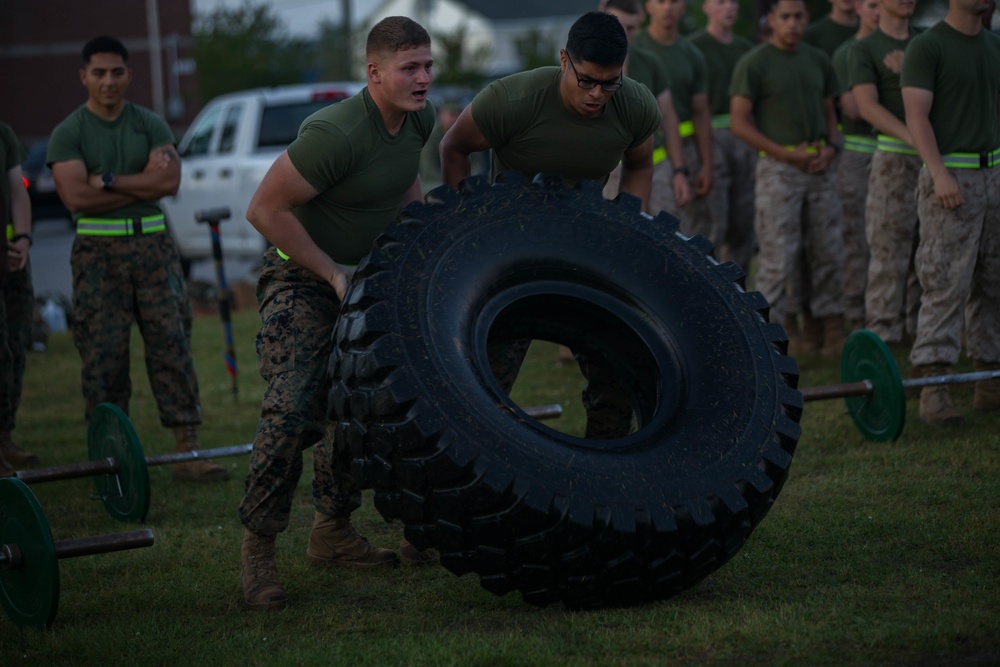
{"x":45,"y":202}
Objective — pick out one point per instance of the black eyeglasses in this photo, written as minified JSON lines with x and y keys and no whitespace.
{"x":589,"y":84}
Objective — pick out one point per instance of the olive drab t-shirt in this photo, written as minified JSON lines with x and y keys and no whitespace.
{"x":827,"y":35}
{"x":11,"y":155}
{"x":720,"y":61}
{"x":121,"y":146}
{"x":360,"y":171}
{"x":840,"y":60}
{"x":525,"y":120}
{"x":648,"y":70}
{"x":866,"y":64}
{"x":963,"y":72}
{"x":788,"y":90}
{"x":685,"y":67}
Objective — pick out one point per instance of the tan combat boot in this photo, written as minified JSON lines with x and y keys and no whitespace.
{"x":833,"y":337}
{"x":334,"y":541}
{"x":14,"y":455}
{"x":200,"y":470}
{"x":791,"y":324}
{"x":936,"y":407}
{"x":812,"y":334}
{"x":259,"y":573}
{"x":410,"y":555}
{"x":987,"y":397}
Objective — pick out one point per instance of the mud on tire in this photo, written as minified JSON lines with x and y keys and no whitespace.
{"x":561,"y":518}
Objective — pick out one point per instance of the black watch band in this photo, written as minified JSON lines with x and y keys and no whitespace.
{"x":107,"y":180}
{"x":682,"y":170}
{"x":17,"y":237}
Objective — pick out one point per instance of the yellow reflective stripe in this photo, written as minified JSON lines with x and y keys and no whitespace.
{"x":859,"y":143}
{"x":10,"y":232}
{"x":281,"y":254}
{"x":812,"y":150}
{"x":120,"y":226}
{"x":972,"y":160}
{"x":720,"y":121}
{"x":686,"y":128}
{"x":659,"y":155}
{"x":894,"y":145}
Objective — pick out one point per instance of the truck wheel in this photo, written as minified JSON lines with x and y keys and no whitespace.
{"x":561,"y":518}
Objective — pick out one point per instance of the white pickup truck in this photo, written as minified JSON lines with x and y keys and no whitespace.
{"x":226,"y":152}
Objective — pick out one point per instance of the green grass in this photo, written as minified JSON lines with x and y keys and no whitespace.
{"x":873,"y":554}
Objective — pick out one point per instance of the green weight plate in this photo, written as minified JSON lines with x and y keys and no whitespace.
{"x":29,"y":591}
{"x":110,"y":435}
{"x":881,"y":415}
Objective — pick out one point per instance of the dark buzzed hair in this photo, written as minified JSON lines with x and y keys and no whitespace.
{"x":104,"y":44}
{"x":627,"y":6}
{"x":395,"y":33}
{"x":597,"y":38}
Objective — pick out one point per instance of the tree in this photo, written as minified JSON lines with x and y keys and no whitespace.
{"x":536,"y":49}
{"x":247,"y":47}
{"x":458,"y":65}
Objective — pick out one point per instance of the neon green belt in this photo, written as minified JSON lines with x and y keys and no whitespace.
{"x":984,"y":160}
{"x":686,"y":129}
{"x":860,"y":143}
{"x":812,"y":150}
{"x":721,"y":120}
{"x":10,"y":232}
{"x":285,"y":257}
{"x":148,"y":224}
{"x":894,"y":145}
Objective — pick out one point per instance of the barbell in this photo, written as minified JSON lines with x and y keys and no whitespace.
{"x":121,"y":469}
{"x":29,"y":558}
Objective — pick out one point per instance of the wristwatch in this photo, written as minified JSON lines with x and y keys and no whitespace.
{"x":107,"y":180}
{"x":682,"y":170}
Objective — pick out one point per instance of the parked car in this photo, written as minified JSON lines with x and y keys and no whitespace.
{"x":45,"y":202}
{"x":226,"y":152}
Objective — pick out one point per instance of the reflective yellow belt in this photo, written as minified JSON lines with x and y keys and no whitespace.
{"x":720,"y":120}
{"x":812,"y":150}
{"x":10,"y":232}
{"x":686,"y":129}
{"x":149,"y":224}
{"x":984,"y":160}
{"x":894,"y":145}
{"x":860,"y":143}
{"x":283,"y":256}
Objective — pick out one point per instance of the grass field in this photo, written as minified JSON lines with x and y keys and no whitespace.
{"x":873,"y":554}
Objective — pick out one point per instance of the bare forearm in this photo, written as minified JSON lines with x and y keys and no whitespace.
{"x":285,"y":231}
{"x":20,"y":206}
{"x":925,"y":141}
{"x":455,"y":165}
{"x":638,"y":182}
{"x":147,"y":186}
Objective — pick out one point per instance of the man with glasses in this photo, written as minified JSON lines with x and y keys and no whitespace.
{"x":579,"y":120}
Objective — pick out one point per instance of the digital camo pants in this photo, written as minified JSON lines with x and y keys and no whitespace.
{"x":16,"y":311}
{"x":731,"y":202}
{"x":298,"y":311}
{"x":695,"y":217}
{"x":958,"y":262}
{"x":852,"y":185}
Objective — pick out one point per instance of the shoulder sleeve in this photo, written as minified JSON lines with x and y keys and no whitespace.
{"x":860,"y":68}
{"x":321,"y":153}
{"x":840,"y":69}
{"x":646,"y":119}
{"x":919,"y":63}
{"x":830,"y":86}
{"x":744,"y":80}
{"x":64,"y":142}
{"x":700,"y":69}
{"x":13,"y":151}
{"x":160,"y":133}
{"x":495,"y":115}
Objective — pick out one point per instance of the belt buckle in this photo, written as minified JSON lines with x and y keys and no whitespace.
{"x":984,"y":159}
{"x":136,"y":228}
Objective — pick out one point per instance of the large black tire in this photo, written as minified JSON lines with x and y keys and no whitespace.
{"x":588,"y":522}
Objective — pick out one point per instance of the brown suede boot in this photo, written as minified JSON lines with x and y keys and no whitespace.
{"x":812,"y":334}
{"x":936,"y":407}
{"x":410,"y":555}
{"x":791,"y":324}
{"x":833,"y":337}
{"x":987,"y":398}
{"x":15,"y":456}
{"x":334,"y":541}
{"x":259,"y":573}
{"x":201,"y":470}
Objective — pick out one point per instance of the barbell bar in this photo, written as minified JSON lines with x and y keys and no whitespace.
{"x":121,"y":469}
{"x":874,"y":389}
{"x":29,"y":568}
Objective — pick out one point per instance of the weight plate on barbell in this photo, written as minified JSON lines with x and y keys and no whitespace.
{"x":110,"y":435}
{"x":30,"y":590}
{"x":881,"y":414}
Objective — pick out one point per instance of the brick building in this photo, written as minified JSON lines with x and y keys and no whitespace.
{"x":40,"y":44}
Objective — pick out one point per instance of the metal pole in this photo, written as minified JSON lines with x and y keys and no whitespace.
{"x":155,"y":56}
{"x":865,"y":387}
{"x":101,"y":544}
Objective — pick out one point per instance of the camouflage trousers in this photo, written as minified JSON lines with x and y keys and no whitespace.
{"x":605,"y":397}
{"x":798,"y":218}
{"x":892,"y":298}
{"x":118,"y":280}
{"x":958,"y":262}
{"x":695,"y":217}
{"x":16,"y":311}
{"x":852,"y":186}
{"x":298,"y":311}
{"x":730,"y":202}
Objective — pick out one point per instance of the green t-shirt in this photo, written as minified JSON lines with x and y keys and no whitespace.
{"x":360,"y":171}
{"x":647,"y":69}
{"x":827,"y":35}
{"x":11,"y":155}
{"x":787,"y":89}
{"x":525,"y":121}
{"x":963,"y":72}
{"x":121,"y":146}
{"x":866,"y":64}
{"x":685,"y":67}
{"x":720,"y":60}
{"x":840,"y":60}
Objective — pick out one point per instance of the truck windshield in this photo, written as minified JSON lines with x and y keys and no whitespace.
{"x":279,"y":124}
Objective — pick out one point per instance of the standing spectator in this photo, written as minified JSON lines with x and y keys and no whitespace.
{"x":892,"y":297}
{"x":852,"y":173}
{"x":782,"y":105}
{"x":579,"y":120}
{"x":16,"y":298}
{"x":112,"y":160}
{"x":730,"y":202}
{"x":951,"y":88}
{"x":323,"y":202}
{"x":689,"y":92}
{"x":829,"y":32}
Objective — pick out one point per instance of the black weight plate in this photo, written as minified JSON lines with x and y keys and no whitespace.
{"x":29,"y":591}
{"x":110,"y":435}
{"x":881,"y":415}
